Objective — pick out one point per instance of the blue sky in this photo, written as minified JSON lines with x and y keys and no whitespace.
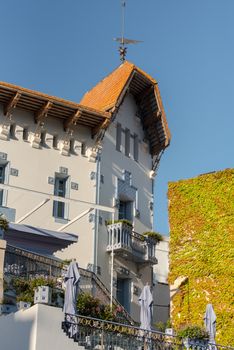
{"x":64,"y":48}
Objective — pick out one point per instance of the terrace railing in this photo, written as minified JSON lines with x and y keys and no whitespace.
{"x":93,"y":333}
{"x":24,"y":263}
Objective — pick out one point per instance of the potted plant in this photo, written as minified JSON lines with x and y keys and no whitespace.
{"x":3,"y":225}
{"x":123,"y":221}
{"x":193,"y":335}
{"x":155,"y":236}
{"x":168,"y":328}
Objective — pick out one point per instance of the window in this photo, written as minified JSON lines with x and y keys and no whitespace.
{"x":72,"y":146}
{"x":135,"y":147}
{"x":125,"y":210}
{"x":127,"y":142}
{"x":60,"y":186}
{"x":12,"y":131}
{"x":55,"y":141}
{"x":2,"y":180}
{"x":118,"y":137}
{"x":43,"y":139}
{"x":83,"y":149}
{"x":25,"y":134}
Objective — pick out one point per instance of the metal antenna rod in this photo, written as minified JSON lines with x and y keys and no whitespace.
{"x":123,"y":20}
{"x":124,"y":41}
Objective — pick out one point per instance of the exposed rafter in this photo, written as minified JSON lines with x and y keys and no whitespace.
{"x":152,"y":119}
{"x":103,"y":126}
{"x":145,"y":94}
{"x":8,"y":109}
{"x":72,"y":120}
{"x":42,"y":113}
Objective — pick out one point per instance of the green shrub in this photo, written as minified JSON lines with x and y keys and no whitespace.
{"x":157,"y":237}
{"x":123,"y":221}
{"x":160,"y":326}
{"x":25,"y":288}
{"x":89,"y":306}
{"x":193,"y":332}
{"x":3,"y":222}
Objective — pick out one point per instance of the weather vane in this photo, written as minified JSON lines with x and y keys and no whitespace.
{"x":124,"y":41}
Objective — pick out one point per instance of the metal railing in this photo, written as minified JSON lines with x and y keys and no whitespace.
{"x":25,"y":264}
{"x":121,"y":238}
{"x":93,"y":333}
{"x":90,"y":283}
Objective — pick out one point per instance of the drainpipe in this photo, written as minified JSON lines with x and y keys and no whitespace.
{"x":97,"y":199}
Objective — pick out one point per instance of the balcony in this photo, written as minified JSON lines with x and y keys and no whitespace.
{"x":130,"y":245}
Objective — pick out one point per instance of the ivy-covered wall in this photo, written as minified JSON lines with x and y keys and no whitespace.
{"x":201,"y":216}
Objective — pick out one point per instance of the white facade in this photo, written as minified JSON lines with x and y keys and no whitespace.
{"x":36,"y":166}
{"x":47,"y":160}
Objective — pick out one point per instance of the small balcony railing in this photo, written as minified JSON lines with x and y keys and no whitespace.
{"x":129,"y":244}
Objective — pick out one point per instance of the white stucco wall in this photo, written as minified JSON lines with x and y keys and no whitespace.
{"x":37,"y":328}
{"x":36,"y":165}
{"x":113,"y":165}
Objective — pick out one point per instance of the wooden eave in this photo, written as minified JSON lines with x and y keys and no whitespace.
{"x":153,"y":118}
{"x":43,"y":105}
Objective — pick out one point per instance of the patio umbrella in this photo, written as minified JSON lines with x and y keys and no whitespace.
{"x":71,"y":280}
{"x":146,"y":302}
{"x":210,"y":322}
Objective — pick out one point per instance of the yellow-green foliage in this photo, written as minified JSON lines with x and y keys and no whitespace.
{"x":201,"y":215}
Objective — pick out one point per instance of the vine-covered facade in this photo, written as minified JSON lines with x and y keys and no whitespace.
{"x":201,"y":216}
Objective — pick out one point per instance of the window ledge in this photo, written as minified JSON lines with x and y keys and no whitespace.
{"x":61,"y":220}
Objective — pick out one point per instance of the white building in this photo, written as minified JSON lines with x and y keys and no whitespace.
{"x":97,"y":155}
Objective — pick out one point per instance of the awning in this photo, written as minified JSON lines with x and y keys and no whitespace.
{"x":37,"y":239}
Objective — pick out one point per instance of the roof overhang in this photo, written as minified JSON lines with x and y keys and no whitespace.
{"x":151,"y":110}
{"x":37,"y":239}
{"x":43,"y":105}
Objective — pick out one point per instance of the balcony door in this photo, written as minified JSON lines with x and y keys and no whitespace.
{"x":125,"y":210}
{"x":123,"y":292}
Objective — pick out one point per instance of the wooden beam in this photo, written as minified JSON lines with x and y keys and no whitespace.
{"x":152,"y":119}
{"x":72,"y":120}
{"x":102,"y":126}
{"x":42,"y":113}
{"x":8,"y":109}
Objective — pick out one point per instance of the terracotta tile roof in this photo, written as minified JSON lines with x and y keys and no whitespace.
{"x":110,"y":87}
